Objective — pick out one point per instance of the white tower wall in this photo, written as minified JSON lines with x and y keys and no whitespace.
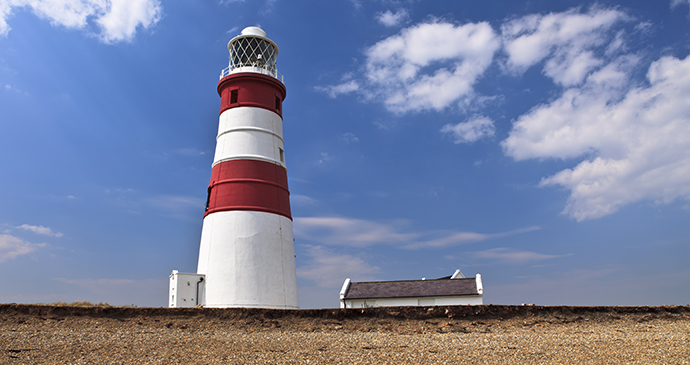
{"x":241,"y":269}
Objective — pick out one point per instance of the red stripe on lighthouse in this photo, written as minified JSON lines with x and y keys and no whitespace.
{"x":252,"y":90}
{"x":249,"y":185}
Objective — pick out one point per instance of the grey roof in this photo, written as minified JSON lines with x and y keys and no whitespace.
{"x":412,"y":288}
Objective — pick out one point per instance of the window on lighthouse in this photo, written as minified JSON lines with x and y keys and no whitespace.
{"x":208,"y":199}
{"x":233,"y":96}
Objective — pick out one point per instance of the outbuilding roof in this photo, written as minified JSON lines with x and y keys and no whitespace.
{"x":412,"y":288}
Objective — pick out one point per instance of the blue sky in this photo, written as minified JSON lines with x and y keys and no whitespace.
{"x":542,"y":144}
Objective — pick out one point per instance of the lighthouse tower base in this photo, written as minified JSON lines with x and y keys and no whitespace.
{"x":248,"y":260}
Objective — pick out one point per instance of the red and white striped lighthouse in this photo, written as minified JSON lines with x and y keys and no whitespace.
{"x":247,"y":251}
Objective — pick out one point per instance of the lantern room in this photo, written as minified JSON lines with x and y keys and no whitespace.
{"x":251,"y":51}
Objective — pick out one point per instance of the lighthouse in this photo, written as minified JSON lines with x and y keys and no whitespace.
{"x":246,"y":255}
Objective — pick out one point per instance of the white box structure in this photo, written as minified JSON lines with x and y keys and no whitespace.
{"x":186,"y":289}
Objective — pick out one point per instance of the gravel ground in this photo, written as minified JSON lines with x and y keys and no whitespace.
{"x":453,"y":335}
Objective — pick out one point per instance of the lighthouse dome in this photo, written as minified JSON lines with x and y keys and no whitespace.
{"x":253,"y":31}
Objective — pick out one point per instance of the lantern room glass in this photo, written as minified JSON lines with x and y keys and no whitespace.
{"x":254,"y":52}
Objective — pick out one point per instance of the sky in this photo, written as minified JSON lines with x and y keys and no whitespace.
{"x":542,"y":144}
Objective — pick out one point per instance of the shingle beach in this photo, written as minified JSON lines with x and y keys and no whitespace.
{"x":43,"y":334}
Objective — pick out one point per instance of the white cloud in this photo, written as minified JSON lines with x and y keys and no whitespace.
{"x":568,"y":126}
{"x":511,"y":256}
{"x":349,"y":137}
{"x":391,"y":19}
{"x":470,"y":131}
{"x":40,"y":230}
{"x":5,"y":11}
{"x":118,"y":20}
{"x":635,"y":140}
{"x":11,"y":247}
{"x":14,"y":90}
{"x":617,"y":44}
{"x":565,"y":40}
{"x":303,"y":200}
{"x":430,"y":66}
{"x":351,"y":232}
{"x":325,"y":157}
{"x":675,"y":3}
{"x":335,"y":90}
{"x":348,"y":232}
{"x":329,"y":269}
{"x":451,"y":238}
{"x":190,"y":151}
{"x":435,"y":65}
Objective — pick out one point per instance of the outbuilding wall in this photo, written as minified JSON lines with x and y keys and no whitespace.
{"x":412,"y":302}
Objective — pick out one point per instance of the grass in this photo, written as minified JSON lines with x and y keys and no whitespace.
{"x":80,"y":304}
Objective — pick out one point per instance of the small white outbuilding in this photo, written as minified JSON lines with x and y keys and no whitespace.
{"x":186,"y":290}
{"x":451,"y":290}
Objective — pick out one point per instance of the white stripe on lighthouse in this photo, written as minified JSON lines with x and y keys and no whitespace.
{"x":251,"y":133}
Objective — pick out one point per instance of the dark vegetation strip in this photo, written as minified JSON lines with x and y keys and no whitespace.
{"x":401,"y":313}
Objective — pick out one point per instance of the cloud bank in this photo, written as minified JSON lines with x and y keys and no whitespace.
{"x":565,"y":41}
{"x":116,"y":20}
{"x":329,"y":269}
{"x":506,"y":255}
{"x":391,"y":19}
{"x":627,"y":138}
{"x":40,"y":230}
{"x":429,"y":66}
{"x":350,"y":232}
{"x":470,"y":131}
{"x":12,"y":247}
{"x":636,"y":141}
{"x":631,"y":136}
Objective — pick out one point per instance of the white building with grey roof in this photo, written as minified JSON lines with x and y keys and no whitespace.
{"x":450,"y":290}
